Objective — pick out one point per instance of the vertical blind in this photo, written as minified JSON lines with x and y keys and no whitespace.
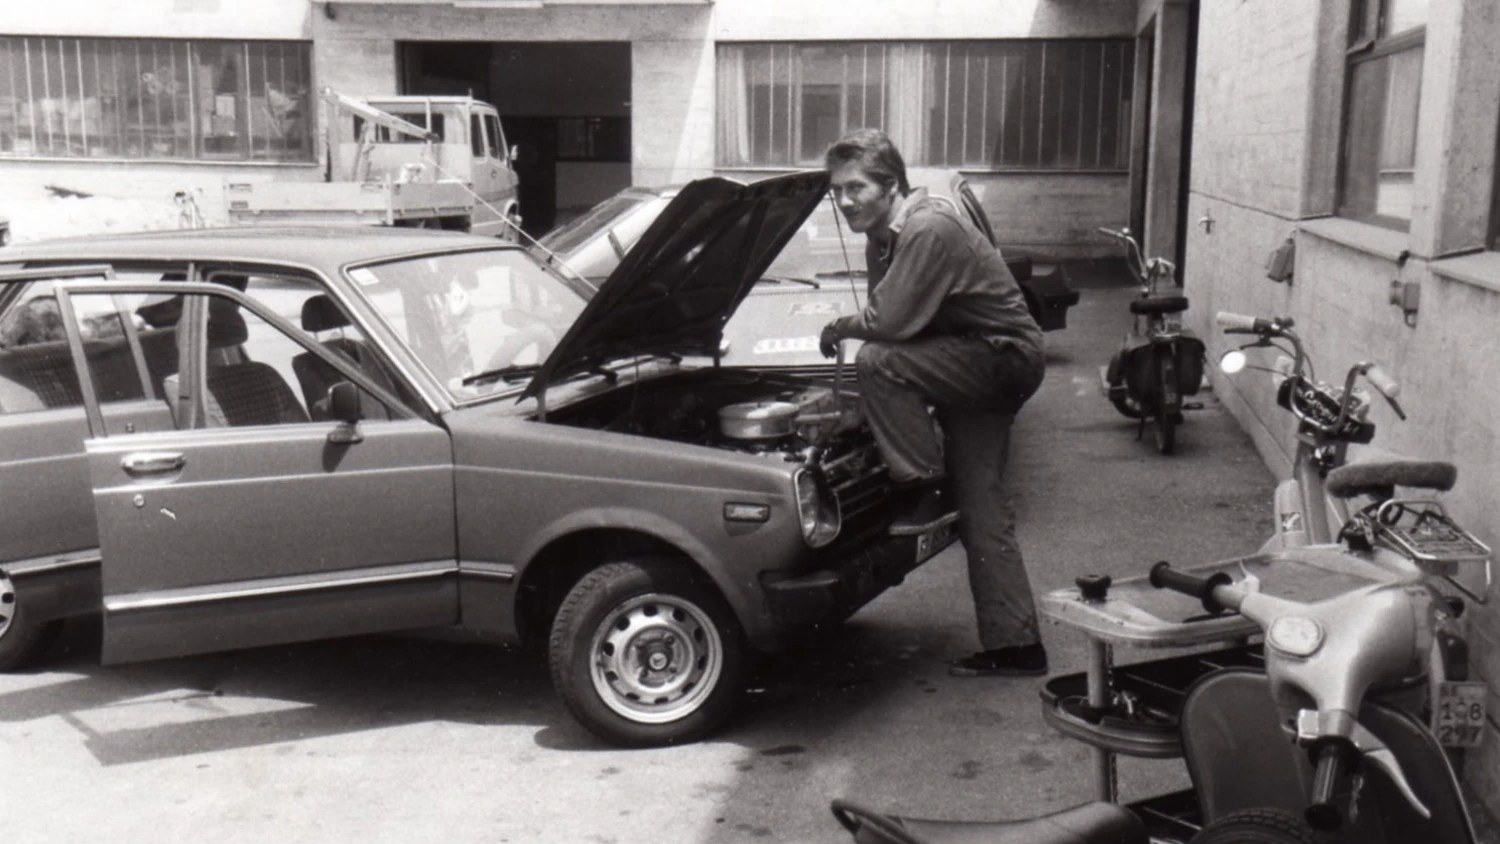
{"x":1017,"y":104}
{"x":155,"y":99}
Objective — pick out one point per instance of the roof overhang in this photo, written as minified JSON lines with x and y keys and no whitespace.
{"x":515,"y":4}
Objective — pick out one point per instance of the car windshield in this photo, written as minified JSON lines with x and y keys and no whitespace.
{"x":479,"y":321}
{"x":570,"y":236}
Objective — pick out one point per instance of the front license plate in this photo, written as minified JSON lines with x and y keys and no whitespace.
{"x":934,"y":541}
{"x":1458,"y":713}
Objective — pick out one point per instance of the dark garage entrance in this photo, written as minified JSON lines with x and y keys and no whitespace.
{"x":565,"y":105}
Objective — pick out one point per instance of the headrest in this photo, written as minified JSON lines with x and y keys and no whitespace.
{"x":320,"y":314}
{"x":226,"y":327}
{"x":161,"y":313}
{"x":1380,"y":479}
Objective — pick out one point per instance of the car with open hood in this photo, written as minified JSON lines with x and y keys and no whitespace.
{"x":818,"y":276}
{"x":226,"y":438}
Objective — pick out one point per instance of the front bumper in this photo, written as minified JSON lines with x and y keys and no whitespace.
{"x":849,"y":578}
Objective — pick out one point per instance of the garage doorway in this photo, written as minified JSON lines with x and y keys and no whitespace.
{"x":565,"y":106}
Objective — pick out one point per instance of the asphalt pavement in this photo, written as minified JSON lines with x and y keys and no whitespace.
{"x":410,"y":740}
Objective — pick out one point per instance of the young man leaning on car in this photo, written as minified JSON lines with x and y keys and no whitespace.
{"x":945,"y":325}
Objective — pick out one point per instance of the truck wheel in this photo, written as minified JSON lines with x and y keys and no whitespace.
{"x":1259,"y":826}
{"x":644,"y":653}
{"x":21,"y":640}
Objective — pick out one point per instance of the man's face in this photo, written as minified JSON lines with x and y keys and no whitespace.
{"x":860,"y":198}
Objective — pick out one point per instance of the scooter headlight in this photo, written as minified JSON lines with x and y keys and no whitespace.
{"x":1295,"y":635}
{"x":817,"y":509}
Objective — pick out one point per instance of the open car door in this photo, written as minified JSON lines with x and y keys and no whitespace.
{"x":251,"y":521}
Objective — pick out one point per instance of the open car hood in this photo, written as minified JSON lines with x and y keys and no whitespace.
{"x":679,"y":284}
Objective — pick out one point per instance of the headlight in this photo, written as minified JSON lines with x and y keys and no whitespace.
{"x":1295,"y":636}
{"x":817,"y":509}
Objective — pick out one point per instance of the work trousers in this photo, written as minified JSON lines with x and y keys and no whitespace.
{"x":976,"y":390}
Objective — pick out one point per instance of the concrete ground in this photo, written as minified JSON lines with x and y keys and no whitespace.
{"x":408,"y":740}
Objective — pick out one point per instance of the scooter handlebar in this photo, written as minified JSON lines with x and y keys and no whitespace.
{"x":1163,"y":576}
{"x":1322,"y":814}
{"x":1240,"y":322}
{"x":1383,"y":382}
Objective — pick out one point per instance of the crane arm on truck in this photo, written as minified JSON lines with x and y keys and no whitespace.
{"x":339,"y":103}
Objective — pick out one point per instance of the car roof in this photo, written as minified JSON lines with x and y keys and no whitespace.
{"x":325,"y":247}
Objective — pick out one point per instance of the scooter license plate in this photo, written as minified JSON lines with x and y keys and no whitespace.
{"x":934,"y":541}
{"x":1458,"y":713}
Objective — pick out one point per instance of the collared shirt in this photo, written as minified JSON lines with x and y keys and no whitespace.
{"x":937,"y":274}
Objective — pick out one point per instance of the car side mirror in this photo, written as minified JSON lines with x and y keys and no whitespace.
{"x":343,"y":406}
{"x":514,"y":152}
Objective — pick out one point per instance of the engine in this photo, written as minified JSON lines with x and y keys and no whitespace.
{"x":778,"y":417}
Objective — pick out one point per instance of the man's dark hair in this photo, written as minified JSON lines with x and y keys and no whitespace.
{"x":873,"y":151}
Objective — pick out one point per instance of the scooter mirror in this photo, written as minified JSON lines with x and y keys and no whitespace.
{"x":1233,"y":361}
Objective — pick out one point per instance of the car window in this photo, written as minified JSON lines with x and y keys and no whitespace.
{"x":36,"y":364}
{"x":570,"y":236}
{"x":497,"y":136}
{"x":386,"y":136}
{"x":247,"y":371}
{"x":467,"y":313}
{"x":477,"y":139}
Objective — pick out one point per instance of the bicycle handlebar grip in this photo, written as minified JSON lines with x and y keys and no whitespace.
{"x":1383,"y":382}
{"x":1321,"y":814}
{"x":1163,"y":576}
{"x":1241,"y":322}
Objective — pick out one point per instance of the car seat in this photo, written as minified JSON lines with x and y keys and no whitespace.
{"x":239,"y":391}
{"x":316,"y":376}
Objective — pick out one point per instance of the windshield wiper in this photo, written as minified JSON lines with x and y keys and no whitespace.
{"x":515,"y":372}
{"x":781,"y":279}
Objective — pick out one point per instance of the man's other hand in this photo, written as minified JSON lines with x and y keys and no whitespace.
{"x":828,"y":341}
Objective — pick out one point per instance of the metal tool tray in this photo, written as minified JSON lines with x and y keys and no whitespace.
{"x":1136,"y":613}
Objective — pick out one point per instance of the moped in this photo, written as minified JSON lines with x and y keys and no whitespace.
{"x":1333,"y":727}
{"x":1159,"y":361}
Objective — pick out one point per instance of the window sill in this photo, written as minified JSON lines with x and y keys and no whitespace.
{"x":1481,"y":269}
{"x":1364,"y":237}
{"x":185,"y":162}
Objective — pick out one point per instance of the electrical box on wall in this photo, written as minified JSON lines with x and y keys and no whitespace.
{"x":1283,"y":258}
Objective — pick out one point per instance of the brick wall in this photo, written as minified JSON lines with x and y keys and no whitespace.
{"x":1256,"y":142}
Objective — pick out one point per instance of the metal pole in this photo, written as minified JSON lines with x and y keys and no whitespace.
{"x":1098,"y":680}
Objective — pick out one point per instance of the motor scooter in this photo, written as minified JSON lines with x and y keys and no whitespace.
{"x":1333,"y":726}
{"x":1159,"y":361}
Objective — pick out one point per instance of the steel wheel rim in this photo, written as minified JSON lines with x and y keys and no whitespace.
{"x":655,"y":658}
{"x":7,"y":604}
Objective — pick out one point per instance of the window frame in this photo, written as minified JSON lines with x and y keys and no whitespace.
{"x":762,"y":118}
{"x":102,"y":113}
{"x":1366,"y":44}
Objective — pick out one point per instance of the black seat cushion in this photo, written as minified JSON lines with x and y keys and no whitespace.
{"x":1159,"y":305}
{"x":1091,"y":823}
{"x":1379,"y":479}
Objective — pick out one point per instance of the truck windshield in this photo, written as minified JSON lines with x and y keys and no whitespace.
{"x":470,"y":312}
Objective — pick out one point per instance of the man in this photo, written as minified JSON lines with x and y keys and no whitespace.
{"x":945,"y":326}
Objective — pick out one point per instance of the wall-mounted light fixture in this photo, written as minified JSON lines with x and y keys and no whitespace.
{"x":1406,"y":294}
{"x":1283,"y":261}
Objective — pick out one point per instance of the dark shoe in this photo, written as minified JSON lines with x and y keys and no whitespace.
{"x":1022,"y":661}
{"x":927,"y":508}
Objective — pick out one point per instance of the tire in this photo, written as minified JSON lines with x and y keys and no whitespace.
{"x":1166,"y":411}
{"x":22,"y":641}
{"x":646,"y":653}
{"x":1259,"y":826}
{"x":1114,"y":376}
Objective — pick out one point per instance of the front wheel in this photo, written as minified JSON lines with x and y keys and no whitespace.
{"x":645,"y":652}
{"x":1169,"y":401}
{"x":1259,"y":826}
{"x":22,"y":640}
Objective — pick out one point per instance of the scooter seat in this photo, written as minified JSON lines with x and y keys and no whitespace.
{"x":1380,"y":478}
{"x":1091,"y":823}
{"x":1159,"y":305}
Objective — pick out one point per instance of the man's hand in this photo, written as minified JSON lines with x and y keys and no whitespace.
{"x":828,"y":341}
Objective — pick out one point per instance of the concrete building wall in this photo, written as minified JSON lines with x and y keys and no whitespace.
{"x":1264,"y":140}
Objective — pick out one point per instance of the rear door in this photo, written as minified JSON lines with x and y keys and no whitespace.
{"x":245,"y":523}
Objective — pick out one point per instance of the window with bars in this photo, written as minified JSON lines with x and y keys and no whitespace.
{"x":1016,"y":104}
{"x":1383,"y":93}
{"x":155,"y":99}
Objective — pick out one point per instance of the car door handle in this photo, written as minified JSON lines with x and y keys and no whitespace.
{"x":141,"y":463}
